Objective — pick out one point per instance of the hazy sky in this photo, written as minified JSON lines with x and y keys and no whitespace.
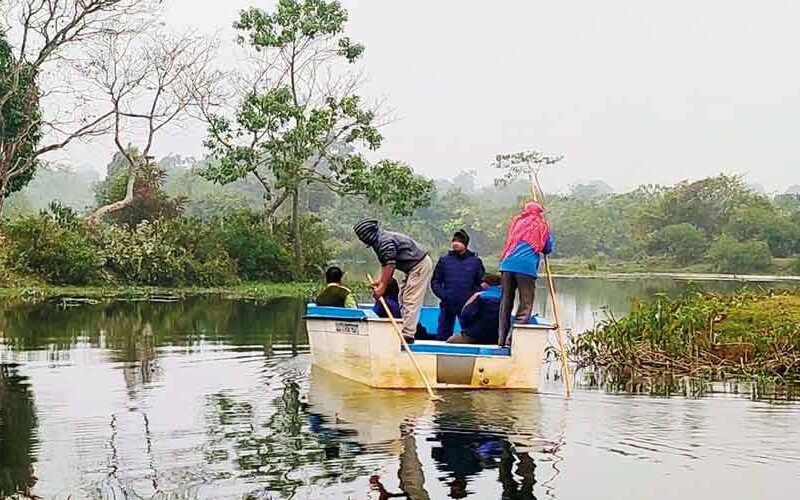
{"x":630,"y":91}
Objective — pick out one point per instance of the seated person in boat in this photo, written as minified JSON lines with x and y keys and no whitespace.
{"x":392,"y":298}
{"x":400,"y":252}
{"x":528,"y":240}
{"x":480,"y":316}
{"x":334,"y":294}
{"x":457,"y":276}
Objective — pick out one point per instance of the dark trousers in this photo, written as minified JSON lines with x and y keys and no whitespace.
{"x":511,"y":283}
{"x":447,"y":322}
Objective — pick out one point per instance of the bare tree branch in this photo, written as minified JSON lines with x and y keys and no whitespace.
{"x":151,"y":80}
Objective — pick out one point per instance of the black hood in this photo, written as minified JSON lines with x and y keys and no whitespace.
{"x":367,"y":231}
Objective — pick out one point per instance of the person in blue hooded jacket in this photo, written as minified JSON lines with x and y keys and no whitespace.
{"x":456,"y":277}
{"x":480,"y":317}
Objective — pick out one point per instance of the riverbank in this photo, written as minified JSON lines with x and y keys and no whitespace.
{"x":252,"y":291}
{"x":745,"y":335}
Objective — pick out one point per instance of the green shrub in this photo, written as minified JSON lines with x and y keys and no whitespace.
{"x":796,"y":267}
{"x":167,"y":254}
{"x":143,"y":255}
{"x":257,"y":254}
{"x":55,"y":246}
{"x":731,"y":256}
{"x":206,"y":262}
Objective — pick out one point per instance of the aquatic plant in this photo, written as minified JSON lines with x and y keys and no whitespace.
{"x":752,"y":335}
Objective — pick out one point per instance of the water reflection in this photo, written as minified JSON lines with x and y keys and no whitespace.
{"x":18,"y":439}
{"x":212,"y":398}
{"x":467,"y":435}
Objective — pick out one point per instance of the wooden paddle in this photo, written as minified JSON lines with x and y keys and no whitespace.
{"x":538,"y":196}
{"x":399,"y":333}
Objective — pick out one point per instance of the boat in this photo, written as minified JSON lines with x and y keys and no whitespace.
{"x":358,"y":345}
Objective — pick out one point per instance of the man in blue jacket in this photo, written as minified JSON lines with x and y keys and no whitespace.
{"x":456,"y":277}
{"x":480,"y":317}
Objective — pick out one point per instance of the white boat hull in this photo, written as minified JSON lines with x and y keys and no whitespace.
{"x":369,"y":351}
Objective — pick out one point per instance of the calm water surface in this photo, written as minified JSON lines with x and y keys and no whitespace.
{"x":213,"y":398}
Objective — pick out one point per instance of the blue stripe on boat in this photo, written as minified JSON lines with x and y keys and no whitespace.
{"x":458,"y":349}
{"x":323,"y":312}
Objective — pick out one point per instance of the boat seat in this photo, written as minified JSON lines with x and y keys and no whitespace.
{"x":438,"y":347}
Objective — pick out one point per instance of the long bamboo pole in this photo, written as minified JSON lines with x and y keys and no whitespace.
{"x":538,"y":196}
{"x":399,"y":333}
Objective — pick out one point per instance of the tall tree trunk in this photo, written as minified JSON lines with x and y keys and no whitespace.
{"x":2,"y":201}
{"x":118,"y":205}
{"x":296,"y":241}
{"x":269,"y":210}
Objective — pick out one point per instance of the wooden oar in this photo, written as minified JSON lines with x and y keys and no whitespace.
{"x":538,"y":196}
{"x":399,"y":333}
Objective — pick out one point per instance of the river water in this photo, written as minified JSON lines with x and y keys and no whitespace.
{"x":214,"y":398}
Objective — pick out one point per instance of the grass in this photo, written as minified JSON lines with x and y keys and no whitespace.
{"x":747,"y":335}
{"x":258,"y":291}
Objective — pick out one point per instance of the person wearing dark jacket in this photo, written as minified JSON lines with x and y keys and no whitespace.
{"x":397,"y":251}
{"x":480,"y":317}
{"x":456,"y":277}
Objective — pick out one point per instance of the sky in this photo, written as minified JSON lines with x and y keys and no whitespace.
{"x":629,"y":91}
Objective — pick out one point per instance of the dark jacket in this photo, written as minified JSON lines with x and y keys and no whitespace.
{"x":480,"y":318}
{"x":456,"y":277}
{"x":392,"y":249}
{"x":394,"y":307}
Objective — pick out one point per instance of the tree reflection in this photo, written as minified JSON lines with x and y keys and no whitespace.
{"x":274,"y":453}
{"x":117,"y":325}
{"x":17,"y":433}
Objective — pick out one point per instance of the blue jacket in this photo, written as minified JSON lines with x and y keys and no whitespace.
{"x":394,"y":307}
{"x":456,"y":277}
{"x":524,"y":260}
{"x":480,"y":318}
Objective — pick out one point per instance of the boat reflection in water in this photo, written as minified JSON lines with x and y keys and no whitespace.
{"x":452,"y":447}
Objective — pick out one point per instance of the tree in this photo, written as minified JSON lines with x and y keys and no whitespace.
{"x":299,"y":119}
{"x":39,"y":66}
{"x":731,"y":256}
{"x":20,"y":125}
{"x":683,"y":241}
{"x":768,"y":225}
{"x":594,"y":189}
{"x":522,"y":165}
{"x":151,"y":78}
{"x":708,"y":204}
{"x":149,"y":201}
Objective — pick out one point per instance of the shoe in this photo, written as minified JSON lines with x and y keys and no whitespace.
{"x":409,"y":340}
{"x":461,"y":339}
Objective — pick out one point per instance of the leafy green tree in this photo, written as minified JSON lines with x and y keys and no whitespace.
{"x":708,"y":204}
{"x":20,"y":122}
{"x":683,"y":241}
{"x":292,"y":129}
{"x":731,"y":256}
{"x":767,"y":224}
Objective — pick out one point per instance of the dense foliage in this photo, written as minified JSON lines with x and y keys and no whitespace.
{"x":750,"y":233}
{"x":57,"y":247}
{"x":744,"y":334}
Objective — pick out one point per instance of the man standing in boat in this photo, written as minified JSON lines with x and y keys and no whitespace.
{"x":457,"y":275}
{"x":398,"y":251}
{"x":528,"y":239}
